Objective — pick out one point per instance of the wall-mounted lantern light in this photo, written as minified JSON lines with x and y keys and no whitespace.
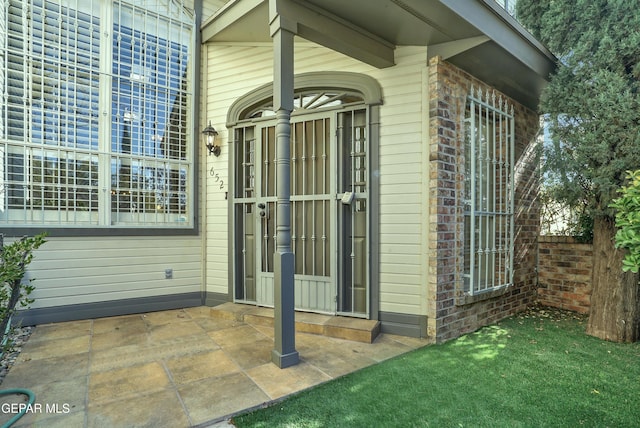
{"x":209,"y":135}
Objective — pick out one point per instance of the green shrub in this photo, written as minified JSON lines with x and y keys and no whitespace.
{"x":14,"y":292}
{"x":627,"y":208}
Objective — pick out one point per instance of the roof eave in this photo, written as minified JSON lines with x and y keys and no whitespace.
{"x":491,"y":19}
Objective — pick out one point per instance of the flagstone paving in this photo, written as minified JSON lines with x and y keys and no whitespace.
{"x":178,"y":368}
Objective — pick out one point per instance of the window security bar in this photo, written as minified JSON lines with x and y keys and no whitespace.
{"x":489,"y":192}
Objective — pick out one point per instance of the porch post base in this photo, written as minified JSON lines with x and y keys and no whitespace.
{"x":284,"y":352}
{"x":284,"y":360}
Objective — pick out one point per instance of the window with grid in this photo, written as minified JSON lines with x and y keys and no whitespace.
{"x":488,"y":192}
{"x":96,"y":113}
{"x":508,"y":5}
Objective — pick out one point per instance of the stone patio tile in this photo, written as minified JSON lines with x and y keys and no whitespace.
{"x":248,"y":355}
{"x":184,"y":346}
{"x":200,"y":366}
{"x":129,"y":323}
{"x":175,"y":368}
{"x":214,"y":398}
{"x":412,"y":342}
{"x":333,"y":365}
{"x":334,"y":357}
{"x":154,"y":409}
{"x":313,"y":341}
{"x":230,"y":311}
{"x":53,"y":420}
{"x":244,"y":334}
{"x":71,"y":392}
{"x":118,"y":338}
{"x":59,"y":397}
{"x":26,"y":374}
{"x":140,"y":353}
{"x":174,"y":332}
{"x":121,"y":356}
{"x":165,"y":317}
{"x":381,"y":349}
{"x":199,"y":312}
{"x":278,"y":383}
{"x":44,"y":348}
{"x":63,"y":330}
{"x":115,"y":385}
{"x":267,"y":331}
{"x":215,"y":324}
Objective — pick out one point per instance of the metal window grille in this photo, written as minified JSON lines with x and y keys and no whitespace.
{"x":61,"y":165}
{"x":489,"y":192}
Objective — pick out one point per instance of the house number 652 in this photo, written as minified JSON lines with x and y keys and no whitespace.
{"x":213,"y":173}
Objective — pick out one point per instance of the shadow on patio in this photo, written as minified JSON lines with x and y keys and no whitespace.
{"x":179,"y":368}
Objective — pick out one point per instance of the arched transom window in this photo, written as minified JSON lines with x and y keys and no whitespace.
{"x":305,"y":100}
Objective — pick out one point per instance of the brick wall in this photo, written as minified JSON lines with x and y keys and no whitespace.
{"x":564,"y":273}
{"x":450,"y":312}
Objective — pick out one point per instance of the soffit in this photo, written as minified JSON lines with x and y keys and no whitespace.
{"x":475,"y":35}
{"x":400,"y":22}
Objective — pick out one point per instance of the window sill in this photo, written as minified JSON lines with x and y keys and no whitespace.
{"x":468,"y":299}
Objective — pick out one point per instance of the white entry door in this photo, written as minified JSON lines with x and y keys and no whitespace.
{"x":328,"y":212}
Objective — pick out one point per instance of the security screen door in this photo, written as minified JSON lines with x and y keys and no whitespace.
{"x":329,"y":221}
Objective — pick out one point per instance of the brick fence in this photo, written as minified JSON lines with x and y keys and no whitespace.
{"x":564,"y":273}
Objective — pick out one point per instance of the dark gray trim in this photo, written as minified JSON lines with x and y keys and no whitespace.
{"x":513,"y":61}
{"x":231,"y":219}
{"x":491,"y":19}
{"x":108,"y":308}
{"x":403,"y":324}
{"x":195,"y":105}
{"x":215,"y":299}
{"x":255,"y":20}
{"x":98,"y":231}
{"x":374,"y":214}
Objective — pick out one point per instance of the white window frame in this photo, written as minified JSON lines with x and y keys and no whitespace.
{"x":489,"y":192}
{"x":167,"y":30}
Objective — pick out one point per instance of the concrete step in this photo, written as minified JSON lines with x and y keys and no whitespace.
{"x":356,"y":329}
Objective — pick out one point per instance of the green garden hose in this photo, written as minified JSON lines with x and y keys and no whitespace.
{"x":23,"y":408}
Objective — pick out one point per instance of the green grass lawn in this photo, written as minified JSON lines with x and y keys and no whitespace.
{"x":533,"y":370}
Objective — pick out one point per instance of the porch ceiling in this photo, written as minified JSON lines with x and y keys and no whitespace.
{"x":476,"y":35}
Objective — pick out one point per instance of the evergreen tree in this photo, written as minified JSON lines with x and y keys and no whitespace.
{"x":593,"y":106}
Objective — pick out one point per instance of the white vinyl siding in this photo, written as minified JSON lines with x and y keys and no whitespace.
{"x":401,"y":158}
{"x":402,"y":194}
{"x":71,"y":271}
{"x":223,"y":85}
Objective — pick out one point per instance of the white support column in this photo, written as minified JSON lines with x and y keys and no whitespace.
{"x":284,"y":353}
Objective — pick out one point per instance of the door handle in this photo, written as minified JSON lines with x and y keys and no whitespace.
{"x":264,"y":210}
{"x":347,"y":198}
